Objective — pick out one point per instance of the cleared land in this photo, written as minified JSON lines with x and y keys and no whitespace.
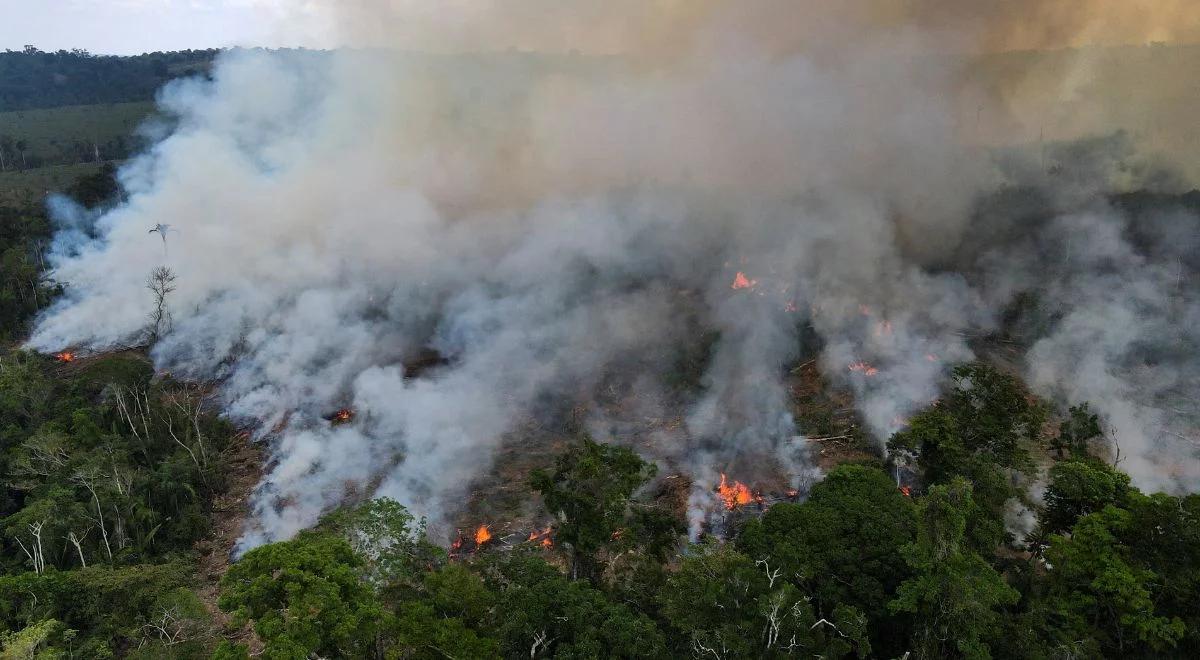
{"x":28,"y":188}
{"x":69,"y":135}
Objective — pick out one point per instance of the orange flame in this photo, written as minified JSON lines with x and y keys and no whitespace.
{"x":343,"y":415}
{"x":65,"y":356}
{"x":740,"y":281}
{"x":735,"y":495}
{"x":793,"y":493}
{"x":544,"y":535}
{"x":906,"y":491}
{"x":863,"y":368}
{"x":456,"y":545}
{"x":482,"y":535}
{"x":616,"y":535}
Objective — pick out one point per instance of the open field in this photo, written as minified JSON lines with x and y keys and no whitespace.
{"x":72,"y":134}
{"x":31,"y":186}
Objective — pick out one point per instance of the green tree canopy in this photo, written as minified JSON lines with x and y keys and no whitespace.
{"x":589,"y":493}
{"x":843,"y":545}
{"x":305,"y":596}
{"x":953,"y":593}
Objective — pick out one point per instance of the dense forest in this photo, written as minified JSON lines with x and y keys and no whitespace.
{"x":112,"y":473}
{"x":32,"y":79}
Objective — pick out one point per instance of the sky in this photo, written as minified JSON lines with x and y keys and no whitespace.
{"x":125,"y":27}
{"x":129,"y":27}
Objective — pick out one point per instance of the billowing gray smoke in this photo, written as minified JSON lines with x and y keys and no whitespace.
{"x":544,"y":221}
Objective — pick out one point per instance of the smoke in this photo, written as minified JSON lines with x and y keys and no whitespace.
{"x":663,"y":28}
{"x":545,"y":220}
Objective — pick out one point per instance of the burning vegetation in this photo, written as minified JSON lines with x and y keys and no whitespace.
{"x":734,"y":495}
{"x":863,"y":368}
{"x":542,"y":537}
{"x":740,"y":281}
{"x":340,"y":416}
{"x":65,"y":356}
{"x":471,"y":542}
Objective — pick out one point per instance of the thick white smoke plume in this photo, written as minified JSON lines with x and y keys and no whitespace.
{"x":542,"y":221}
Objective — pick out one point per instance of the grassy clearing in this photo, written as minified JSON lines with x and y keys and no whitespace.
{"x":71,"y":134}
{"x":29,"y":188}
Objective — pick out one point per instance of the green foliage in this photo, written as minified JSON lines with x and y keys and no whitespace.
{"x":953,"y":593}
{"x":455,"y":590}
{"x":387,"y":538}
{"x":713,"y":601}
{"x":305,"y":596}
{"x":842,"y":546}
{"x":177,"y":626}
{"x":38,"y":138}
{"x":1077,"y":432}
{"x":420,"y":632}
{"x":1094,"y":581}
{"x":228,"y":650}
{"x":24,"y":235}
{"x":107,"y":605}
{"x":44,"y":640}
{"x":858,"y":569}
{"x":1078,"y":488}
{"x":102,"y":467}
{"x":110,"y":466}
{"x":546,"y":615}
{"x":34,"y":79}
{"x":981,"y":430}
{"x":1125,"y":578}
{"x":94,"y":190}
{"x":722,"y":603}
{"x":104,"y":464}
{"x":589,"y":492}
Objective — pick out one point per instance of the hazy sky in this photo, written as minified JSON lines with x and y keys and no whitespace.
{"x":136,"y":26}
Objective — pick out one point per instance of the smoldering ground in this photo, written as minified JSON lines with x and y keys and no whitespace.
{"x":543,"y":219}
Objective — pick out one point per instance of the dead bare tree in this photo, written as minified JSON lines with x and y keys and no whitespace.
{"x":171,"y":626}
{"x":77,"y":541}
{"x":701,"y":650}
{"x":26,"y":551}
{"x":540,"y":643}
{"x":161,"y":284}
{"x":119,"y":534}
{"x":193,"y":407}
{"x":45,"y":453}
{"x":36,"y":530}
{"x":190,"y":403}
{"x":775,"y":617}
{"x":88,"y":481}
{"x":771,"y":575}
{"x":122,"y":482}
{"x":170,"y":423}
{"x":36,"y":555}
{"x":131,"y":403}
